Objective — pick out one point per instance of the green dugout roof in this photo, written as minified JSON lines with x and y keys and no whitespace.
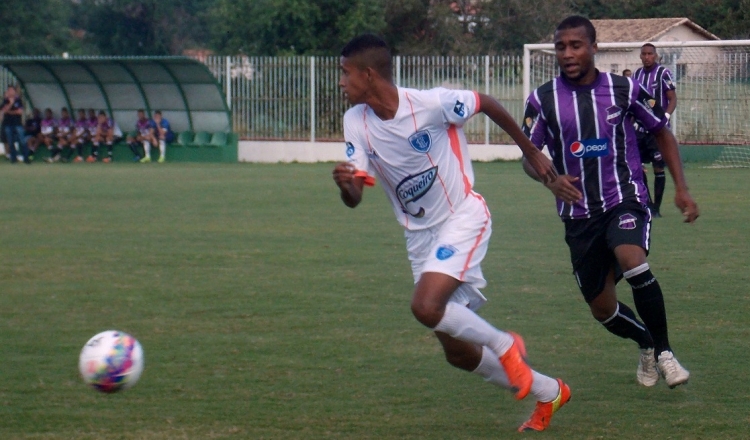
{"x":182,"y":88}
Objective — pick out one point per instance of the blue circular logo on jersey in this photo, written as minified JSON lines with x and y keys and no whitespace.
{"x":577,"y":149}
{"x":444,"y":252}
{"x":349,"y":149}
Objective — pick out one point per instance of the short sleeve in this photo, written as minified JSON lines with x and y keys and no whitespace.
{"x":458,"y":106}
{"x":534,"y":125}
{"x":356,"y":146}
{"x":667,"y":80}
{"x":648,"y":114}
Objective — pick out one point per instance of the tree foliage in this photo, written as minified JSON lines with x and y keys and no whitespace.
{"x":145,"y":27}
{"x":280,"y":27}
{"x":321,"y":27}
{"x":38,"y":30}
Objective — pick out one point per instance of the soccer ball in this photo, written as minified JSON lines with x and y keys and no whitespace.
{"x":111,"y":361}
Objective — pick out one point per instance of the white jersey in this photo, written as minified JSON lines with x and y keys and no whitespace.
{"x":420,"y":156}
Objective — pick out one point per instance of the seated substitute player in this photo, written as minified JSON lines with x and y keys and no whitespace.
{"x":33,"y":131}
{"x":413,"y":141}
{"x":80,"y":134}
{"x":106,"y":132}
{"x":64,"y":135}
{"x":145,"y":135}
{"x":49,"y":135}
{"x":584,"y":117}
{"x":164,"y":134}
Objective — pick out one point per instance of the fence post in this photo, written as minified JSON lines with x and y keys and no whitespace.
{"x":398,"y":70}
{"x":312,"y":99}
{"x":229,"y":83}
{"x":526,"y":72}
{"x":486,"y":92}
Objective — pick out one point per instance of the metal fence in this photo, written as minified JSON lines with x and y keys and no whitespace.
{"x":298,"y":98}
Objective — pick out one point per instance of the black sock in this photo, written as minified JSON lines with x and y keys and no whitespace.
{"x":95,"y":150}
{"x":79,"y":149}
{"x":625,"y":325}
{"x":649,"y":302}
{"x":648,"y":192}
{"x":69,"y":153}
{"x":134,"y":148}
{"x":109,"y":149}
{"x":660,"y":181}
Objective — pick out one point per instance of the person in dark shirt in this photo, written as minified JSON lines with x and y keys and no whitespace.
{"x":585,"y":118}
{"x":12,"y":110}
{"x":33,"y":131}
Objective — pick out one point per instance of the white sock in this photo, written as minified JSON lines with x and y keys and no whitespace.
{"x":461,"y":323}
{"x":162,"y":148}
{"x":147,"y":149}
{"x":544,"y":388}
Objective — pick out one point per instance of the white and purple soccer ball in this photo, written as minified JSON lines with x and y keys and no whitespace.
{"x":111,"y":361}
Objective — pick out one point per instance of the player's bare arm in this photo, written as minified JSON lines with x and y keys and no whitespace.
{"x":672,"y":97}
{"x":670,"y":152}
{"x":500,"y":116}
{"x":562,"y":187}
{"x":349,"y":184}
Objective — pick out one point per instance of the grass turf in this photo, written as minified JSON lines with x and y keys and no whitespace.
{"x":268,"y":310}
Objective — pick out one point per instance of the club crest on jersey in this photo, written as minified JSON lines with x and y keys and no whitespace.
{"x":445,"y":251}
{"x":413,"y":188}
{"x":627,"y":222}
{"x":614,"y":115}
{"x":459,"y":109}
{"x":349,"y":149}
{"x":421,"y":141}
{"x":589,"y":148}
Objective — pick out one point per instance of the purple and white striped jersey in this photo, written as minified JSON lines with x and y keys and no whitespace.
{"x":144,"y":126}
{"x":48,"y":126}
{"x":589,"y":133}
{"x":64,"y":125}
{"x":81,"y":126}
{"x":657,"y":81}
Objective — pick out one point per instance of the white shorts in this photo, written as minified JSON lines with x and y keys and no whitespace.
{"x":456,"y":248}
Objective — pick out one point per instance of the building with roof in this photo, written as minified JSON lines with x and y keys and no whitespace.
{"x":654,"y":30}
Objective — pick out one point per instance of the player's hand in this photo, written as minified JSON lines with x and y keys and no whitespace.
{"x":543,"y":167}
{"x":564,"y":189}
{"x":343,"y":174}
{"x":686,"y":205}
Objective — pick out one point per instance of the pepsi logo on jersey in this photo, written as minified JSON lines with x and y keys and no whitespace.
{"x":589,"y":148}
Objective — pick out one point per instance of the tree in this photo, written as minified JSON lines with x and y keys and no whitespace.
{"x":291,"y":27}
{"x":36,"y":28}
{"x":144,"y":27}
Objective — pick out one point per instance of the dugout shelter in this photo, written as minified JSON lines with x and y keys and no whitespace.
{"x":182,"y":88}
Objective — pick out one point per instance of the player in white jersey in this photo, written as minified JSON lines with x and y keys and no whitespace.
{"x":412,"y":141}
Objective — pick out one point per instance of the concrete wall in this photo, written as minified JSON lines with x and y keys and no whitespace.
{"x":272,"y":152}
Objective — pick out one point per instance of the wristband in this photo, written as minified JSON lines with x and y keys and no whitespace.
{"x":667,"y":115}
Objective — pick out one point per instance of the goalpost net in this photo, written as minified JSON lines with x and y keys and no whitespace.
{"x":712,"y":80}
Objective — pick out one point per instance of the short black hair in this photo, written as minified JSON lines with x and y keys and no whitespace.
{"x":576,"y":21}
{"x":370,"y":51}
{"x":649,"y":45}
{"x":158,"y":112}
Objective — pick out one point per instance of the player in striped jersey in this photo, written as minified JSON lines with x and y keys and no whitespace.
{"x":659,"y":82}
{"x":585,"y":118}
{"x":413,"y":142}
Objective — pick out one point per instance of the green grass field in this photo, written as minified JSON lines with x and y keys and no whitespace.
{"x":268,"y":310}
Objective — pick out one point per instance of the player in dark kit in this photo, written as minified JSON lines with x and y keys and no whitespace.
{"x":585,"y":118}
{"x":658,"y":81}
